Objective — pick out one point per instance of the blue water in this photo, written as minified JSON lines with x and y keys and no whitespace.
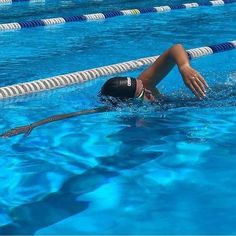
{"x":55,"y":8}
{"x":137,"y":170}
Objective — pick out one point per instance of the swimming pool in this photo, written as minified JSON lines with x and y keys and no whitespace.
{"x":137,"y":170}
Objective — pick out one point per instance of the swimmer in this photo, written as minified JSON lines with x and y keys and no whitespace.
{"x":144,"y":87}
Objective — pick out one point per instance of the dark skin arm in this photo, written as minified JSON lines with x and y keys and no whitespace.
{"x":175,"y":55}
{"x":26,"y":130}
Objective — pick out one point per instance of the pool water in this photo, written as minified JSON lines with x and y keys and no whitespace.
{"x":145,"y":169}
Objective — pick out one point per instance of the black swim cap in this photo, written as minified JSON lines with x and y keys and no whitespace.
{"x":119,"y":87}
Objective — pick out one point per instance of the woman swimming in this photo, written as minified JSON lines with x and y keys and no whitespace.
{"x":144,"y":87}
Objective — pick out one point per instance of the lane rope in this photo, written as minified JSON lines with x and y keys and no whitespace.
{"x":9,"y":2}
{"x":105,"y":15}
{"x":15,"y":1}
{"x":91,"y":74}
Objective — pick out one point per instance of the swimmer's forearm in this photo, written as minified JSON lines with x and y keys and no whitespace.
{"x":68,"y":115}
{"x":163,"y":65}
{"x":26,"y":129}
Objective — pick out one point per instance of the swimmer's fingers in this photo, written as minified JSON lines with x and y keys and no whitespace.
{"x":19,"y":130}
{"x":194,"y":90}
{"x":199,"y":88}
{"x":195,"y":76}
{"x":203,"y":81}
{"x":193,"y":80}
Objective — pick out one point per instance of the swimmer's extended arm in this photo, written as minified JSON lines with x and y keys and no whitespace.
{"x":175,"y":55}
{"x":26,"y":130}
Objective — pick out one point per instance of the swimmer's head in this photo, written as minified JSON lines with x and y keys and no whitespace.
{"x":119,"y":87}
{"x":126,"y":88}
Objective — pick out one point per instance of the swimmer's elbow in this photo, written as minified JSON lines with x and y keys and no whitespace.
{"x":177,"y":47}
{"x":177,"y":53}
{"x":173,"y":52}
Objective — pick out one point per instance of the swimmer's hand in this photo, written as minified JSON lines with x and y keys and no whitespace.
{"x":194,"y":81}
{"x":26,"y":130}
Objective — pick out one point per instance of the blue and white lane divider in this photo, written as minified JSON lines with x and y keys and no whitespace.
{"x":105,"y":15}
{"x":86,"y":75}
{"x":9,"y":2}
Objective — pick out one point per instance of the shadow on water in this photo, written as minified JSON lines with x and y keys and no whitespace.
{"x":54,"y":207}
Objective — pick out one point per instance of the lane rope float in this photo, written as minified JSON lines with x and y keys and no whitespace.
{"x":105,"y":15}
